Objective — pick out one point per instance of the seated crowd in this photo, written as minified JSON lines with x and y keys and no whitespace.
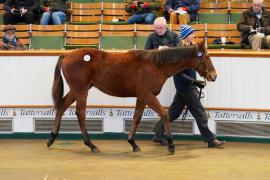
{"x":177,"y":12}
{"x":27,"y":11}
{"x":254,"y":23}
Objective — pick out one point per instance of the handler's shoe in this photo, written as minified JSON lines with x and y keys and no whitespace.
{"x":160,"y":140}
{"x":215,"y":143}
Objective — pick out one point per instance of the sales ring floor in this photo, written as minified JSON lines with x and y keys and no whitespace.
{"x":71,"y":160}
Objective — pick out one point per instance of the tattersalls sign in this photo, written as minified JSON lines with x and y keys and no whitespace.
{"x":241,"y":115}
{"x":71,"y":112}
{"x":226,"y":115}
{"x":129,"y":112}
{"x":113,"y":118}
{"x":267,"y":116}
{"x":35,"y":112}
{"x":5,"y":113}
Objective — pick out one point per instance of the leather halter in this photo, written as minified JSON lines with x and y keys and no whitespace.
{"x":199,"y":54}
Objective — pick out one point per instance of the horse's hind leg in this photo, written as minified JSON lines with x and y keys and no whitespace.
{"x":80,"y":111}
{"x":153,"y":103}
{"x":136,"y":120}
{"x":67,"y":101}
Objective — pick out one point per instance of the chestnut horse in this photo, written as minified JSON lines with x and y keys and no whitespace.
{"x":136,"y":73}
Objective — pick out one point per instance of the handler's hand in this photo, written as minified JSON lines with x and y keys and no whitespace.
{"x":199,"y":84}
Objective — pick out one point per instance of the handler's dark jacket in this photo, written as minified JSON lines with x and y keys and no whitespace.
{"x":30,"y":5}
{"x":182,"y":81}
{"x":248,"y":18}
{"x":169,"y":39}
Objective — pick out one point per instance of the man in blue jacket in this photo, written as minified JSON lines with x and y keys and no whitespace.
{"x":181,"y":11}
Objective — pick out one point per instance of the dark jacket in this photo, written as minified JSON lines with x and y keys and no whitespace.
{"x":248,"y":19}
{"x":170,"y":39}
{"x":55,"y":5}
{"x":154,"y":7}
{"x":30,"y":5}
{"x":192,"y":6}
{"x":184,"y":81}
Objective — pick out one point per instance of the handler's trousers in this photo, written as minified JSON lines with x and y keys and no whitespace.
{"x":191,"y":100}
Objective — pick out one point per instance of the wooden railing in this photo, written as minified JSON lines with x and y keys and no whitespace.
{"x":211,"y":52}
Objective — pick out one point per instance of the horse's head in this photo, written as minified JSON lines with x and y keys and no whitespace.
{"x":205,"y":67}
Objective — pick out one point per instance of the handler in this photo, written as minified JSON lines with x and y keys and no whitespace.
{"x":186,"y":86}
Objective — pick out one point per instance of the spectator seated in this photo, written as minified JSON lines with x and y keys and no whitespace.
{"x":20,"y":11}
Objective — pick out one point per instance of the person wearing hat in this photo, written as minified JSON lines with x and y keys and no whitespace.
{"x":186,"y":85}
{"x":186,"y":35}
{"x":162,"y":37}
{"x":9,"y":40}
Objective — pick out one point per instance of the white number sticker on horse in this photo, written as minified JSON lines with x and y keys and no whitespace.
{"x":87,"y":58}
{"x":200,"y":54}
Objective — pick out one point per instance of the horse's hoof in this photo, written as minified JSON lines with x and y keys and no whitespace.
{"x":51,"y":139}
{"x":95,"y":150}
{"x":137,"y":149}
{"x":49,"y":143}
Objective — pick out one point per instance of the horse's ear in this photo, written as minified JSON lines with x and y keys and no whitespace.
{"x":202,"y":45}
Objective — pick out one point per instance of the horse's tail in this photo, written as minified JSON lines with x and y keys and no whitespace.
{"x":58,"y":85}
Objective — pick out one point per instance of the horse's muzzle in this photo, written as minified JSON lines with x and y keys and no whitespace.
{"x":212,"y":76}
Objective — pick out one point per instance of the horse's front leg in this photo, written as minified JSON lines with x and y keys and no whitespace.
{"x":136,"y":120}
{"x":80,"y":112}
{"x":67,"y":101}
{"x":153,"y":103}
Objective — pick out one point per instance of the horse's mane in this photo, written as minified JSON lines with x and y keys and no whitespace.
{"x":167,"y":55}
